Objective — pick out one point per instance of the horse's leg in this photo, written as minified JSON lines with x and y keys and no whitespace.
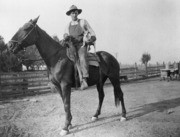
{"x":101,"y":97}
{"x":118,"y":95}
{"x":66,"y":95}
{"x":79,"y":71}
{"x":58,"y":87}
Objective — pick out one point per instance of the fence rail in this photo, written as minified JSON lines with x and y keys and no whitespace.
{"x":136,"y":73}
{"x":23,"y":83}
{"x":37,"y":82}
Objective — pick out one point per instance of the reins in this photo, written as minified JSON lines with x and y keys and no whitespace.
{"x":19,"y":42}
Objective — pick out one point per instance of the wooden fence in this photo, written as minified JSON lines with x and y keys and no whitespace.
{"x":139,"y":72}
{"x":37,"y":82}
{"x":23,"y":83}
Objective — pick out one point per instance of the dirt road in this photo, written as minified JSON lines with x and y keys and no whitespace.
{"x":153,"y":108}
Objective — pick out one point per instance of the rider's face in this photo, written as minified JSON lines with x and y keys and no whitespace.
{"x":74,"y":15}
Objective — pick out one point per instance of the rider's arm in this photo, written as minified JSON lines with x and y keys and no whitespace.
{"x":88,"y":31}
{"x":66,"y":31}
{"x":87,"y":28}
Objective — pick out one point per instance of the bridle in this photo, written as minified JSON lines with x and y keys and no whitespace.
{"x":18,"y":43}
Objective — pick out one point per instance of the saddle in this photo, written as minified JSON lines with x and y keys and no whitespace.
{"x":92,"y":58}
{"x":72,"y":54}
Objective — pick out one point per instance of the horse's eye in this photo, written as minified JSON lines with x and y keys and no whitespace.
{"x":26,"y":28}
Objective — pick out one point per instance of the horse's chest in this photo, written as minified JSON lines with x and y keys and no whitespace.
{"x":62,"y":69}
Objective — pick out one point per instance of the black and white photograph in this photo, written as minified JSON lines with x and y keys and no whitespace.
{"x":97,"y":68}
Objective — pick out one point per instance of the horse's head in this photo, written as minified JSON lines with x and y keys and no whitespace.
{"x":24,"y":37}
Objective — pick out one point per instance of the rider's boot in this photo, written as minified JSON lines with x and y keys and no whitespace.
{"x":84,"y":84}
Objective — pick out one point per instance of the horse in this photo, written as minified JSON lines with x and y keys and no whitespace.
{"x":62,"y":70}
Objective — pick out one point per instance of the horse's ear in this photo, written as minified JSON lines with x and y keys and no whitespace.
{"x":34,"y":21}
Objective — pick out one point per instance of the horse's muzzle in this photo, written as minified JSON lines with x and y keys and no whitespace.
{"x":12,"y":48}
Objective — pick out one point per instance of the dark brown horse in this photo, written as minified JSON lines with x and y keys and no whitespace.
{"x":62,"y":69}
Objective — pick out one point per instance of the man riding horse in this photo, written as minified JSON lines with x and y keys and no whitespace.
{"x":62,"y":72}
{"x":83,"y":33}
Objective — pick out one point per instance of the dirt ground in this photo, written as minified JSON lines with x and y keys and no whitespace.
{"x":153,"y":110}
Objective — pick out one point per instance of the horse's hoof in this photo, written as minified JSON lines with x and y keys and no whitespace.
{"x":70,"y":127}
{"x":94,"y":118}
{"x":64,"y":132}
{"x":123,"y":119}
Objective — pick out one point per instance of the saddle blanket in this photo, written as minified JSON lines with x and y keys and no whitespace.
{"x":93,"y":59}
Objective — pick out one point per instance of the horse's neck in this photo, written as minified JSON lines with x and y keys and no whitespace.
{"x":48,"y":48}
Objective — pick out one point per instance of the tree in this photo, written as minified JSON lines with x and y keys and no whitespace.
{"x":8,"y":61}
{"x":30,"y":56}
{"x":2,"y":48}
{"x":146,"y":57}
{"x":2,"y":44}
{"x":11,"y":62}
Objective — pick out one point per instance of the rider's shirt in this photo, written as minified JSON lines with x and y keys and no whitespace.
{"x":80,"y":27}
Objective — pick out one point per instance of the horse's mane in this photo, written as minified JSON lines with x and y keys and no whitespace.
{"x":55,"y":44}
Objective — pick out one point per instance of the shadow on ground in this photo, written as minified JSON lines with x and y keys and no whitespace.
{"x":152,"y":107}
{"x":138,"y":112}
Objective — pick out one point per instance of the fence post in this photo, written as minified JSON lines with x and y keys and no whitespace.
{"x":0,"y":86}
{"x":136,"y":69}
{"x":164,"y":65}
{"x":157,"y":68}
{"x":120,"y":68}
{"x":179,"y":68}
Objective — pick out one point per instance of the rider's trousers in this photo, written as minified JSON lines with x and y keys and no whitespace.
{"x":82,"y":52}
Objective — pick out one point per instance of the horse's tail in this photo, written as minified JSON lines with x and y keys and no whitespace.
{"x":118,"y":94}
{"x":117,"y":98}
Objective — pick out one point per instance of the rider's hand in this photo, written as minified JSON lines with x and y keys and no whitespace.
{"x":92,"y":39}
{"x":65,"y":36}
{"x":63,"y":43}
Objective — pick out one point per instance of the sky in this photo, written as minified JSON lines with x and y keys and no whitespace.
{"x":124,"y":28}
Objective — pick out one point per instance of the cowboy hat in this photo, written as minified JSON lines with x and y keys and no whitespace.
{"x":73,"y":8}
